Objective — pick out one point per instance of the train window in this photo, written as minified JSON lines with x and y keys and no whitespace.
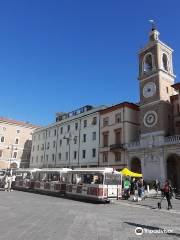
{"x":87,"y":178}
{"x":112,"y":179}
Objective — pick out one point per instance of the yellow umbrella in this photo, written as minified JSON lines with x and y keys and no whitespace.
{"x":127,"y":172}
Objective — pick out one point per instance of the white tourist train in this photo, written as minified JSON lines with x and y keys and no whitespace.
{"x":24,"y":179}
{"x":98,"y":184}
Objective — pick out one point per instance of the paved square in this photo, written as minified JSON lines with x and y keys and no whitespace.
{"x":28,"y":216}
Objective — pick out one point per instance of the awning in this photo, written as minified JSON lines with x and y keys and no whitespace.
{"x":127,"y":172}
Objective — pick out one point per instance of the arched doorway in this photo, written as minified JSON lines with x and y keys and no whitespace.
{"x":136,"y":165}
{"x":173,"y":170}
{"x":13,"y":165}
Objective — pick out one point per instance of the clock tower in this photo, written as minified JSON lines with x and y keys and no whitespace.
{"x":155,"y":80}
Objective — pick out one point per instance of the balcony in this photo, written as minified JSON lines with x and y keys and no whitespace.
{"x":117,"y":146}
{"x":172,"y":140}
{"x":154,"y":143}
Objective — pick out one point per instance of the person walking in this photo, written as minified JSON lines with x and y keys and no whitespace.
{"x":168,"y":193}
{"x":140,"y":187}
{"x":127,"y":185}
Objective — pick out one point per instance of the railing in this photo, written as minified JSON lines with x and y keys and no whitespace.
{"x":116,"y":146}
{"x":172,"y":139}
{"x":133,"y":145}
{"x":165,"y":141}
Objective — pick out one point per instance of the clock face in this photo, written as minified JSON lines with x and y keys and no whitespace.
{"x":149,"y":89}
{"x":150,"y":119}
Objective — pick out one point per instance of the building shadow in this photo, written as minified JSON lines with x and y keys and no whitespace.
{"x":26,"y":154}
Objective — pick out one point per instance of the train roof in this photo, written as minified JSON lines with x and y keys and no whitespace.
{"x":54,"y":169}
{"x":102,"y":170}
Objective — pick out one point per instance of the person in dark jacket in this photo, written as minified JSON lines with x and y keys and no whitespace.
{"x":168,"y":193}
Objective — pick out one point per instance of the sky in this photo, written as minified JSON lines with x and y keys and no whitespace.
{"x":59,"y":55}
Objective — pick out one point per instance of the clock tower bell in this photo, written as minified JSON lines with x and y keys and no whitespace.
{"x":155,"y":80}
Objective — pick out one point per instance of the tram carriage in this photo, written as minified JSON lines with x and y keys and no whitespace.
{"x":51,"y":180}
{"x":24,"y":179}
{"x":100,"y":184}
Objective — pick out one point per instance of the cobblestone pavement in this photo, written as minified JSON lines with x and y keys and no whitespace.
{"x":28,"y":216}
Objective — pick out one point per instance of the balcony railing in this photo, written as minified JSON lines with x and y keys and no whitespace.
{"x":172,"y":139}
{"x":116,"y":146}
{"x":165,"y":141}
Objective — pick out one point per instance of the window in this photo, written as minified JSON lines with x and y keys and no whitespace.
{"x":49,"y":133}
{"x":75,"y":140}
{"x":2,"y":139}
{"x":117,"y":156}
{"x":167,"y":89}
{"x":105,"y":156}
{"x":1,"y":153}
{"x":38,"y":147}
{"x":33,"y":148}
{"x":105,"y":121}
{"x":46,"y":158}
{"x":53,"y":157}
{"x":105,"y":139}
{"x":67,"y":141}
{"x":59,"y":156}
{"x":15,"y":155}
{"x":84,"y":137}
{"x":44,"y":135}
{"x":18,"y":131}
{"x":60,"y":142}
{"x":94,"y":121}
{"x":61,"y":131}
{"x":94,"y":136}
{"x":75,"y":154}
{"x":67,"y":156}
{"x":93,"y":152}
{"x":165,"y":62}
{"x":48,"y":145}
{"x":76,"y":126}
{"x":41,"y":158}
{"x":148,"y":63}
{"x":118,"y":118}
{"x":42,"y":147}
{"x":54,"y":144}
{"x":68,"y":128}
{"x":85,"y":123}
{"x":118,"y":137}
{"x":84,"y":154}
{"x":16,"y":141}
{"x":55,"y":132}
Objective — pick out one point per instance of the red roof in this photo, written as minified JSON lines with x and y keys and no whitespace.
{"x":11,"y":121}
{"x":120,"y":105}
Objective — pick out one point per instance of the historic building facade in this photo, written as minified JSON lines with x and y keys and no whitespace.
{"x":15,"y":143}
{"x":156,"y":153}
{"x":119,"y":124}
{"x":73,"y":141}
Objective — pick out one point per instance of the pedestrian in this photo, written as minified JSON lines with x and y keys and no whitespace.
{"x":127,"y":185}
{"x":168,"y":193}
{"x":13,"y":180}
{"x":156,"y":186}
{"x":140,"y":187}
{"x":133,"y":186}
